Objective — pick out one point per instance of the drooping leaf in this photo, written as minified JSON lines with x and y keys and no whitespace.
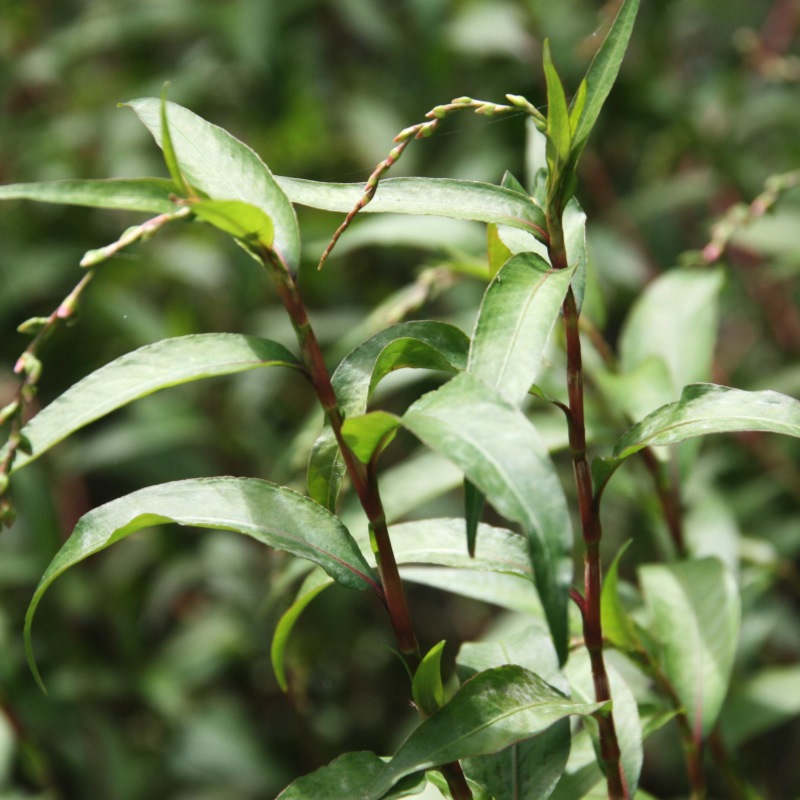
{"x":316,"y":582}
{"x":421,"y":345}
{"x":444,"y":197}
{"x":369,"y":434}
{"x":500,"y":451}
{"x":494,"y":710}
{"x":273,"y":515}
{"x":241,"y":220}
{"x":129,"y":194}
{"x":427,"y":688}
{"x":149,"y":369}
{"x":704,"y":408}
{"x":224,"y":168}
{"x":695,"y":609}
{"x":348,"y":777}
{"x":514,"y":323}
{"x":601,"y":75}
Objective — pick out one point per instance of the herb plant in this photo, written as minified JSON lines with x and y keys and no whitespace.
{"x":541,"y":713}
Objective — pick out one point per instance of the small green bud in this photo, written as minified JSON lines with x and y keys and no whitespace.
{"x":8,"y":411}
{"x":28,"y":365}
{"x":32,"y":326}
{"x":3,"y":483}
{"x":462,"y":101}
{"x":25,"y":445}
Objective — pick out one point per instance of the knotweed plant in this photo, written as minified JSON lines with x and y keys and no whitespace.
{"x":540,"y":714}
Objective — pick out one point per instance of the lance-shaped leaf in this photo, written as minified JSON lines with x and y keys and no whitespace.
{"x":441,"y":541}
{"x":149,"y":369}
{"x":494,"y":710}
{"x":347,"y":777}
{"x":241,"y":220}
{"x":421,"y":345}
{"x":704,"y":408}
{"x":130,"y":194}
{"x":696,"y":611}
{"x":369,"y":434}
{"x":601,"y":76}
{"x":500,"y":451}
{"x":315,"y":583}
{"x":558,"y":124}
{"x":442,"y":197}
{"x":426,"y":687}
{"x":516,"y":317}
{"x":271,"y":514}
{"x":224,"y":168}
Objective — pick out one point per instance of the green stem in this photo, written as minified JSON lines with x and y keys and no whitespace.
{"x":366,"y":488}
{"x":590,"y":522}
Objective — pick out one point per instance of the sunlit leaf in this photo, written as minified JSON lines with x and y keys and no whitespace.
{"x":271,"y":514}
{"x":420,"y":345}
{"x":369,"y":434}
{"x":241,"y":220}
{"x":131,"y":194}
{"x":224,"y":168}
{"x":494,"y":710}
{"x":516,"y":317}
{"x":499,"y":450}
{"x":149,"y":369}
{"x":442,"y":197}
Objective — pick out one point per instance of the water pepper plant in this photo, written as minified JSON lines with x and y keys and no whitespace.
{"x":542,"y":713}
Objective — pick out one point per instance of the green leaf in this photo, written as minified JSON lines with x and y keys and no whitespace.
{"x":241,"y":220}
{"x":529,"y":769}
{"x":312,"y":586}
{"x":602,"y":73}
{"x":626,"y":716}
{"x":149,"y":369}
{"x":704,"y":408}
{"x":421,"y":345}
{"x":441,"y":541}
{"x":491,"y":712}
{"x":170,"y":159}
{"x":499,"y":450}
{"x":558,"y":128}
{"x":674,"y":319}
{"x":498,"y":253}
{"x":442,"y":197}
{"x":474,"y":503}
{"x":516,"y":317}
{"x":130,"y":194}
{"x":347,"y":777}
{"x":273,"y":515}
{"x":576,"y":107}
{"x":505,"y":591}
{"x":696,"y":610}
{"x":369,"y":434}
{"x":427,"y":688}
{"x":224,"y":168}
{"x":618,"y":627}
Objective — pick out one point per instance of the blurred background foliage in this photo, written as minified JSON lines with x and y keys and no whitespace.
{"x":156,"y":653}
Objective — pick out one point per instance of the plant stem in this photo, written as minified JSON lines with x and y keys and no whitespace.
{"x":590,"y":522}
{"x":366,"y":489}
{"x":365,"y":484}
